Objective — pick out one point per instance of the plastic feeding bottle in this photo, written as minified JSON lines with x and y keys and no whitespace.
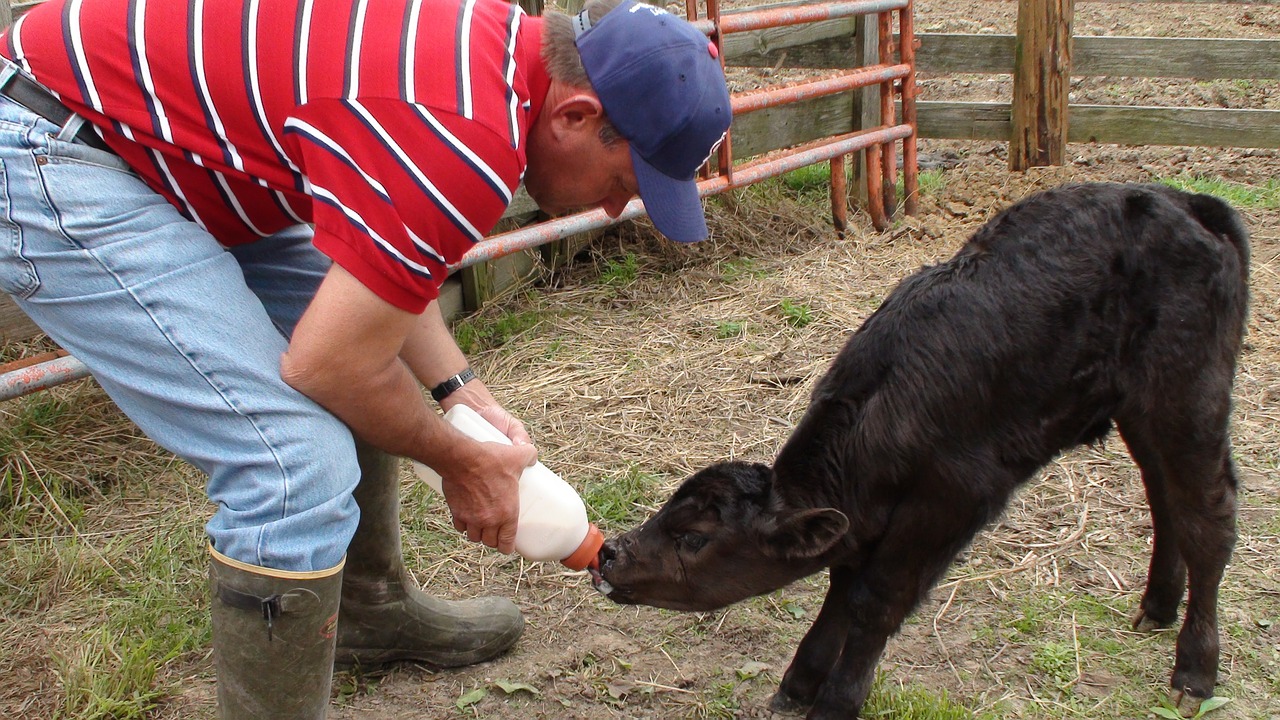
{"x":553,"y":519}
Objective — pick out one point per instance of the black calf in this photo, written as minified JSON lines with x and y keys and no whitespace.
{"x":1073,"y":310}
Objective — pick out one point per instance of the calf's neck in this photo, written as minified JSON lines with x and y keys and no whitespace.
{"x":1075,"y":310}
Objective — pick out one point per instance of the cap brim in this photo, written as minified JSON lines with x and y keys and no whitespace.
{"x":674,"y":205}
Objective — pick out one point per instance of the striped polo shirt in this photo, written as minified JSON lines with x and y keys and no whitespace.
{"x":397,"y":127}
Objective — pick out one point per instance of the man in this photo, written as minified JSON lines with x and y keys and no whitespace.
{"x":162,"y":161}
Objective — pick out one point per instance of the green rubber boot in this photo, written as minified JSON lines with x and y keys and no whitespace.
{"x":385,"y":617}
{"x":273,"y":639}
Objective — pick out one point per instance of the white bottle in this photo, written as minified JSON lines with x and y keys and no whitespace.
{"x":553,"y":519}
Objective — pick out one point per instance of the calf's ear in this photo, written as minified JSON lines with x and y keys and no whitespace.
{"x":806,"y":534}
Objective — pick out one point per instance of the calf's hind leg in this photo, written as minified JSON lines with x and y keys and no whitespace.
{"x":1167,"y":573}
{"x":1197,"y":496}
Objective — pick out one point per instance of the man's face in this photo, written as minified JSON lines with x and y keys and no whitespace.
{"x":570,"y":169}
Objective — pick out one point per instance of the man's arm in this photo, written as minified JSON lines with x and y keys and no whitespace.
{"x":346,"y":355}
{"x":433,"y":356}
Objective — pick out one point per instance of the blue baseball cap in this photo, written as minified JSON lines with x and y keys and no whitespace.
{"x":661,"y":85}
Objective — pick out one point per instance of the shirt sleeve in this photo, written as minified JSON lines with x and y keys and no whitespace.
{"x":400,"y":190}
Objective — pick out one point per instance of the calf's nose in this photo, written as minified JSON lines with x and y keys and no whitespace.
{"x":609,"y":551}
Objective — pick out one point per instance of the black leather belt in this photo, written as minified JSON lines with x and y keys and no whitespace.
{"x":34,"y":97}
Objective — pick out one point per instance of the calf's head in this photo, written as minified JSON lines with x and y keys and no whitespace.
{"x":724,"y":536}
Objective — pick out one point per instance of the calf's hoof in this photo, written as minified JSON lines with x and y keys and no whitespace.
{"x":1145,"y":621}
{"x":1187,"y":702}
{"x":787,"y":705}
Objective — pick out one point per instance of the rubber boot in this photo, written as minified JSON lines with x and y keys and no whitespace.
{"x":385,"y":617}
{"x":273,"y":639}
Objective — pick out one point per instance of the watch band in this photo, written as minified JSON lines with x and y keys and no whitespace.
{"x":448,"y":387}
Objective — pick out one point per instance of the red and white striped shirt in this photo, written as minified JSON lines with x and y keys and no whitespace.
{"x":396,"y":126}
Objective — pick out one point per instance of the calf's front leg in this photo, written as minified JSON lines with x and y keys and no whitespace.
{"x":834,"y":667}
{"x":819,"y":649}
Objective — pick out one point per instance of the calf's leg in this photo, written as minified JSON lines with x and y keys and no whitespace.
{"x":872,"y":600}
{"x":819,"y":649}
{"x":1206,"y":511}
{"x":1167,"y":573}
{"x":1197,"y":496}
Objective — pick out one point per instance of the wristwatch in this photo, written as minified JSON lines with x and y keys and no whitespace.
{"x":449,"y":386}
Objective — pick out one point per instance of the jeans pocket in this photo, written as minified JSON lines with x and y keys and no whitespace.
{"x":60,"y":151}
{"x":17,"y":274}
{"x":95,"y":198}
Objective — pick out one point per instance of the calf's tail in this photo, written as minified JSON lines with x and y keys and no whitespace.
{"x":1219,"y":218}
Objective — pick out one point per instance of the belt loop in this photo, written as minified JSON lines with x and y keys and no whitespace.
{"x":7,"y":71}
{"x":70,"y":128}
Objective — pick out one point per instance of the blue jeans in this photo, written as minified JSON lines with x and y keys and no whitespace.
{"x":184,"y":335}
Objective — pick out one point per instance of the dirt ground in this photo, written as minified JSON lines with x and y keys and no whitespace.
{"x":636,"y":381}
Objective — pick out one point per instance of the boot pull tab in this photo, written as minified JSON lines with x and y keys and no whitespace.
{"x":271,"y":606}
{"x":271,"y":610}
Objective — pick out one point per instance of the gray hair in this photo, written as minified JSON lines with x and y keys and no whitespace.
{"x":560,"y":53}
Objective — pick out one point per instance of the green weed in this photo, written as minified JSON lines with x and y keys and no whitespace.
{"x":916,"y":703}
{"x":816,"y":180}
{"x":481,"y":332}
{"x":796,"y":314}
{"x":620,"y":272}
{"x":1206,"y":707}
{"x":743,"y":268}
{"x":1056,"y":661}
{"x":729,"y":329}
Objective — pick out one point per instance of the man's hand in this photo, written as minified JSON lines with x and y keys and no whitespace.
{"x":363,"y":359}
{"x":483,"y":490}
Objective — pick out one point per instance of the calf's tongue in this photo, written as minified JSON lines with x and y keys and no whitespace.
{"x":597,"y":579}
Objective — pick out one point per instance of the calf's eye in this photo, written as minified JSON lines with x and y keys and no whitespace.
{"x":693,"y":542}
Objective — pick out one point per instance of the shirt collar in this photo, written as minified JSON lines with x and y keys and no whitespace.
{"x":529,"y":51}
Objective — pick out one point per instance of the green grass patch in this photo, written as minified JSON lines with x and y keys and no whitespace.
{"x":477,"y":333}
{"x":620,"y":272}
{"x":141,"y":600}
{"x":618,"y":502}
{"x":730,"y":329}
{"x":814,"y":180}
{"x":913,"y":702}
{"x":796,"y":314}
{"x":1055,"y":661}
{"x":1265,"y":196}
{"x":742,"y":268}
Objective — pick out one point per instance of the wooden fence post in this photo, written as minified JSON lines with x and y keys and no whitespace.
{"x":1041,"y":80}
{"x":866,"y":102}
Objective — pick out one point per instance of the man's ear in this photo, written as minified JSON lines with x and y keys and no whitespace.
{"x":576,"y":112}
